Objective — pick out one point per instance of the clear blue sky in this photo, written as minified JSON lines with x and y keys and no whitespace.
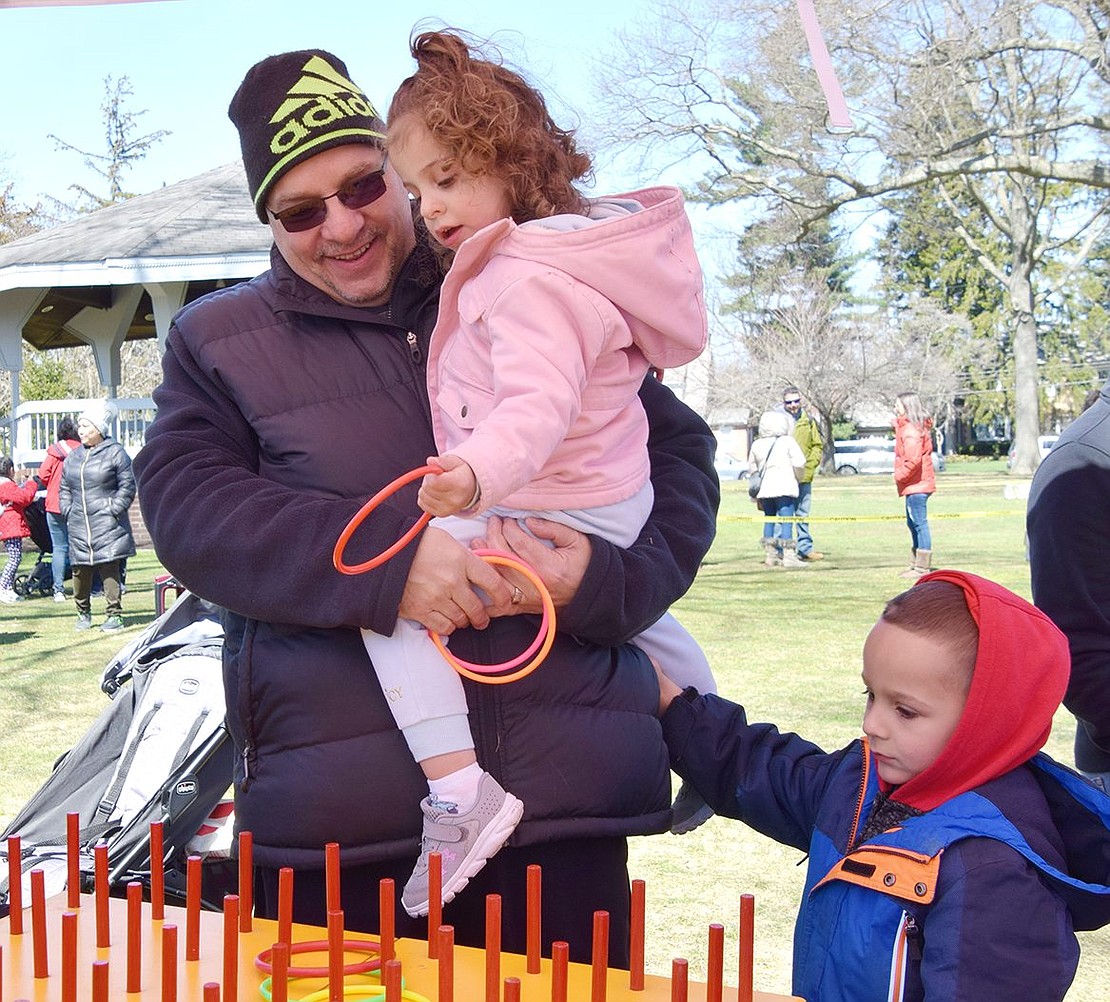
{"x":184,"y":59}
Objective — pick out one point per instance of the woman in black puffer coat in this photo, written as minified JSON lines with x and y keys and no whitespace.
{"x":97,"y":488}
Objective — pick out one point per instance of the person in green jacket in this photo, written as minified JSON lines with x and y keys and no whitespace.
{"x":808,"y":435}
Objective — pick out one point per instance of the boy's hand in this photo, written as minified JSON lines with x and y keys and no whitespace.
{"x":449,"y":492}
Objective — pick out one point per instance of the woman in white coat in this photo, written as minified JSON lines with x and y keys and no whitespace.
{"x":780,"y":462}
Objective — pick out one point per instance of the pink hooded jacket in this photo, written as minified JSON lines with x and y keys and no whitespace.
{"x":545,"y":333}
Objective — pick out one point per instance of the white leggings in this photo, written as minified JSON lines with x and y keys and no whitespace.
{"x":425,"y":693}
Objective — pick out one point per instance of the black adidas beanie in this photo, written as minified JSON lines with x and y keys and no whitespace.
{"x":292,"y":106}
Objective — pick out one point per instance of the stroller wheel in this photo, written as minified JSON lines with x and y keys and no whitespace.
{"x":19,"y":585}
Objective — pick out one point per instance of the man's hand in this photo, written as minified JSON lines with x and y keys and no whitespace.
{"x":449,"y":492}
{"x":560,"y":566}
{"x":440,"y":589}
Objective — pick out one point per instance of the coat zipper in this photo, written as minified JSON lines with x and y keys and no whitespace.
{"x":414,"y":348}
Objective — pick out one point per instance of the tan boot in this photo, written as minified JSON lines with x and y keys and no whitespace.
{"x":771,"y":555}
{"x":790,"y":558}
{"x":922,"y":560}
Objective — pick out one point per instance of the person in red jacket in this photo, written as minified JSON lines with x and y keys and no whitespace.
{"x":50,"y":473}
{"x":914,"y":476}
{"x":13,"y":526}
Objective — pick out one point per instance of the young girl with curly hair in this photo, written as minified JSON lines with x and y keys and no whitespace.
{"x":554,"y":310}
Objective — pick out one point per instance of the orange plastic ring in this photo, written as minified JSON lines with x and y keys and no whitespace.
{"x":360,"y":517}
{"x":547,"y":630}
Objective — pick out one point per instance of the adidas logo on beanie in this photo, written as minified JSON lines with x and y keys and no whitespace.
{"x":292,"y":106}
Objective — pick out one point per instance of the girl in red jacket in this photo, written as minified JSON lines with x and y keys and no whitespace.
{"x":914,"y":476}
{"x":13,"y":526}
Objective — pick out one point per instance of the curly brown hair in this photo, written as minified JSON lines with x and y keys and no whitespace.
{"x":494,"y":123}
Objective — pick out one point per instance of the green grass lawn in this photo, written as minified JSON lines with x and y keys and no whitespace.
{"x":785,"y":643}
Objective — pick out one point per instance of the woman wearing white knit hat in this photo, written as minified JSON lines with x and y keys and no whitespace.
{"x":97,"y":489}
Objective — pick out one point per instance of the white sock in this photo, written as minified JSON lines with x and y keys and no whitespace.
{"x":459,"y":787}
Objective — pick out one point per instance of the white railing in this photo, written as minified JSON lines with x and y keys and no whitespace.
{"x":34,"y":426}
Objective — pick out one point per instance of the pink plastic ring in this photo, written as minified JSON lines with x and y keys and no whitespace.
{"x":371,"y":947}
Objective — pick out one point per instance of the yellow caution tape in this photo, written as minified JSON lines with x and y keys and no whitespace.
{"x":864,"y":518}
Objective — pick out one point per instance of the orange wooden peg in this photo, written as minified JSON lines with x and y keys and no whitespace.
{"x":73,"y":860}
{"x":134,"y":937}
{"x":533,"y":920}
{"x":192,"y":908}
{"x":435,"y":901}
{"x":15,"y":887}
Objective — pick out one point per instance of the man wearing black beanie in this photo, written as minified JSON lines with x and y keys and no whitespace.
{"x":288,"y":400}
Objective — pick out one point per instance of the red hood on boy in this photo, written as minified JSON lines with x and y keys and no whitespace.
{"x":1021,"y":672}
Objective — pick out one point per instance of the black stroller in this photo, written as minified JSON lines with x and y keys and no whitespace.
{"x":39,"y":580}
{"x":159,"y":752}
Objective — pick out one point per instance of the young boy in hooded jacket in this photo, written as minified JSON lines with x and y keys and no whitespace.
{"x":948,"y":858}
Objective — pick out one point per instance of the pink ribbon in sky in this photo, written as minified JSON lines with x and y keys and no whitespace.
{"x":819,"y":53}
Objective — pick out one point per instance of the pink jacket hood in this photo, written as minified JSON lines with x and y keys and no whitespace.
{"x":667,"y":321}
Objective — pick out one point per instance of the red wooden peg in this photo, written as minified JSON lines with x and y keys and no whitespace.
{"x":157,"y":872}
{"x":211,"y":991}
{"x":279,"y":978}
{"x":493,"y":947}
{"x":533,"y":920}
{"x":600,"y":962}
{"x":246,"y":880}
{"x":100,"y":890}
{"x":169,"y":963}
{"x":680,"y":980}
{"x":745,"y":981}
{"x":285,"y":905}
{"x":392,"y":980}
{"x":386,"y":918}
{"x":192,"y":908}
{"x":435,"y":901}
{"x":715,"y":967}
{"x":231,"y":948}
{"x":335,"y":956}
{"x":446,"y":963}
{"x":38,"y":924}
{"x":100,"y":981}
{"x":560,"y":965}
{"x":332,"y":900}
{"x":512,"y":990}
{"x":73,"y":860}
{"x":134,"y":937}
{"x":69,"y":956}
{"x":636,"y":938}
{"x":15,"y":887}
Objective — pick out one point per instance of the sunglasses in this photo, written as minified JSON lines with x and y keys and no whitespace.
{"x":791,"y":403}
{"x":355,"y":194}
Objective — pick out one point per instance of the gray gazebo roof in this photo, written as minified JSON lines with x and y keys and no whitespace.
{"x":122,"y":272}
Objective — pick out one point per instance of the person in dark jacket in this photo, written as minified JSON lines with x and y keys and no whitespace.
{"x":948,"y":859}
{"x":288,"y":400}
{"x":1069,"y":566}
{"x":50,"y":473}
{"x":97,"y":488}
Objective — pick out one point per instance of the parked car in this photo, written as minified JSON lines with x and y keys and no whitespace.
{"x":870,"y":455}
{"x":1044,"y":447}
{"x":863,"y":455}
{"x":729,"y":467}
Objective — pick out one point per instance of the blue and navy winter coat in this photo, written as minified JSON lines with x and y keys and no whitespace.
{"x":976,"y":899}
